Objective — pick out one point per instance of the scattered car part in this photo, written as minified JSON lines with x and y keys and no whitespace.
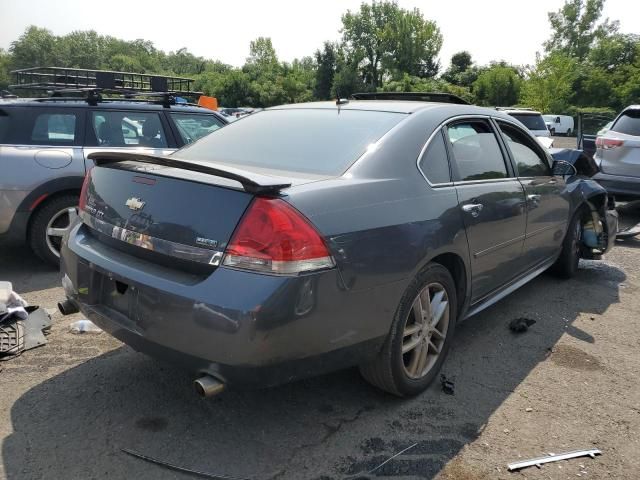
{"x":178,"y":468}
{"x":5,"y":291}
{"x":18,"y":335}
{"x":629,"y":232}
{"x":520,"y":325}
{"x":208,"y":386}
{"x":67,"y":307}
{"x":553,"y":458}
{"x":447,"y":385}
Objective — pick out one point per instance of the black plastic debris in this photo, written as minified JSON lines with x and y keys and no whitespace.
{"x":520,"y":325}
{"x":447,"y":385}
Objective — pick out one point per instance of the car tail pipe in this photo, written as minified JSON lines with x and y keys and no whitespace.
{"x":208,"y":386}
{"x":67,"y":307}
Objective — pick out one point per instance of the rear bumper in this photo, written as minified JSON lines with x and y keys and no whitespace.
{"x":246,"y":329}
{"x":618,"y":185}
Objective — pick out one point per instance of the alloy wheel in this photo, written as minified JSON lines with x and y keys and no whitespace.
{"x":425,"y":330}
{"x":58,"y":225}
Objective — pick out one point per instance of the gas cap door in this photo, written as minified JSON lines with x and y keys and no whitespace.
{"x":53,"y":159}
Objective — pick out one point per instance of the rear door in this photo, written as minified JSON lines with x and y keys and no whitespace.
{"x":619,"y":149}
{"x":40,"y":145}
{"x":492,"y":204}
{"x":123,"y":130}
{"x":547,"y":209}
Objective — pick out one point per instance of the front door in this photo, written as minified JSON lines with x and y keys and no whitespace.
{"x":547,"y":209}
{"x":491,"y":203}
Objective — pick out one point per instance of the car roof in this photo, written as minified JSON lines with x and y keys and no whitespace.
{"x":115,"y":104}
{"x":394,"y":106}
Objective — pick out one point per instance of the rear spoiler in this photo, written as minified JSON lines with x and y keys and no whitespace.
{"x":251,"y":182}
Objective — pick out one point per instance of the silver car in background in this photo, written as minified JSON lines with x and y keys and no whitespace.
{"x":618,"y":155}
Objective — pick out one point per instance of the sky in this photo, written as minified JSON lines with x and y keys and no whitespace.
{"x":511,"y":30}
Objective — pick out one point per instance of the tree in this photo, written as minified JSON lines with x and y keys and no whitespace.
{"x":5,"y":61}
{"x":549,"y":84}
{"x":461,"y":72}
{"x":386,"y":40}
{"x":36,"y":47}
{"x":499,"y":86}
{"x":262,"y":58}
{"x":326,"y":60}
{"x":414,"y":43}
{"x":575,"y":27}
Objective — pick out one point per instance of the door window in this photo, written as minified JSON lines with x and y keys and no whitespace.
{"x":434,"y":163}
{"x":529,"y":160}
{"x":54,"y":129}
{"x":192,"y":127}
{"x":476,"y":151}
{"x":123,"y":129}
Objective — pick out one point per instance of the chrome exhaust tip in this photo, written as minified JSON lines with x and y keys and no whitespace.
{"x":208,"y":386}
{"x":67,"y":307}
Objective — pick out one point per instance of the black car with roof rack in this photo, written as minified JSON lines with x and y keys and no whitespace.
{"x":46,"y":139}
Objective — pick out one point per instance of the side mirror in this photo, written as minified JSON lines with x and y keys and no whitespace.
{"x":562,"y":168}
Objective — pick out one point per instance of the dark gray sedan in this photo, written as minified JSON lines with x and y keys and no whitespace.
{"x":312,"y":237}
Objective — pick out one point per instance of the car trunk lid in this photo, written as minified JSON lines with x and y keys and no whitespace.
{"x":169,"y":208}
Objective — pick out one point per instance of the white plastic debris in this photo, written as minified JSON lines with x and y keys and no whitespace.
{"x":84,"y":326}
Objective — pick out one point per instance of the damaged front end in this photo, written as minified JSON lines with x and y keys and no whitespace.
{"x":599,"y":220}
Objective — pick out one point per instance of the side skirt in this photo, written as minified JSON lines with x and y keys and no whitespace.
{"x":509,"y":288}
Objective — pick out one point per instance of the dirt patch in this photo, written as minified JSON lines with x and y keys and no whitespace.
{"x":572,"y":357}
{"x":458,"y":470}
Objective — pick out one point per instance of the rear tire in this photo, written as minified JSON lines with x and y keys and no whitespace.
{"x":553,"y":132}
{"x":49,"y":224}
{"x":423,"y":330}
{"x":568,"y":134}
{"x":567,"y":264}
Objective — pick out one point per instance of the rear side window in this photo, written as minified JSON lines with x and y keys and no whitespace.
{"x":123,"y":129}
{"x":54,"y":129}
{"x":628,"y":123}
{"x":434,"y":163}
{"x":530,"y":162}
{"x":317,"y":141}
{"x":192,"y":127}
{"x":476,"y":151}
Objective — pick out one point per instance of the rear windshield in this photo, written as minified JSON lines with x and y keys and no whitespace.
{"x":531,"y":121}
{"x":628,"y":123}
{"x":318,"y":141}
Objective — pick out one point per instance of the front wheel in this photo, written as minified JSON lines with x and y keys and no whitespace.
{"x":420,"y":335}
{"x":567,"y":264}
{"x":49,"y":224}
{"x":553,"y":132}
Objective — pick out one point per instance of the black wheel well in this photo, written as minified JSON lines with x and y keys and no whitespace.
{"x":47,"y":199}
{"x":455,"y":265}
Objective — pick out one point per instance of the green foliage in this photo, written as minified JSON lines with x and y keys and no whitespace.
{"x":549,"y":84}
{"x":499,"y":85}
{"x":575,"y":27}
{"x":586,"y":63}
{"x":386,"y":41}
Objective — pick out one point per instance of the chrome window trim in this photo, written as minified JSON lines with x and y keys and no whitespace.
{"x":461,"y":182}
{"x":178,"y":250}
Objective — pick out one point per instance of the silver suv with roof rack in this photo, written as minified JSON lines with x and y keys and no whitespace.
{"x":45,"y":142}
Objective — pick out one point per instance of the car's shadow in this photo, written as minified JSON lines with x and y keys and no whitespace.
{"x":26,"y":271}
{"x":75,"y":424}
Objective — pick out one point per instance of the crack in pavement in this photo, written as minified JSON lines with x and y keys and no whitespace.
{"x":331,"y":431}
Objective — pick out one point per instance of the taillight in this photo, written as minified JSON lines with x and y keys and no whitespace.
{"x":83,"y":193}
{"x":608,"y":143}
{"x":273,"y":237}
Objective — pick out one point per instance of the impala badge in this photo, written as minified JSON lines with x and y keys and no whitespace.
{"x":134,"y":203}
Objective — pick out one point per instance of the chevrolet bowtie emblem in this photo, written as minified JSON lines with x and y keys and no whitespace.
{"x":134,"y":203}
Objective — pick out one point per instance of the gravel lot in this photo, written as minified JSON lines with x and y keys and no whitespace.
{"x":570,"y":382}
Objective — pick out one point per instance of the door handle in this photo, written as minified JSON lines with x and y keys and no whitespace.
{"x":473,"y":208}
{"x":533,"y":198}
